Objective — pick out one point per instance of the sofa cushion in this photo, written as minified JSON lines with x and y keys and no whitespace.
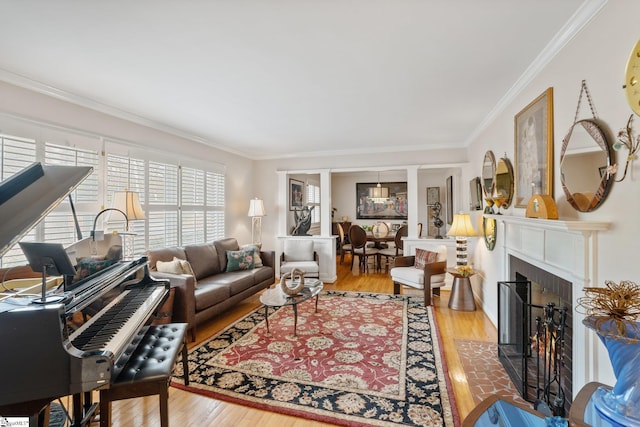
{"x":298,"y":250}
{"x":257,"y":260}
{"x":211,"y":293}
{"x":222,"y":246}
{"x":203,"y":259}
{"x":262,"y":274}
{"x":235,"y":282}
{"x":240,"y":260}
{"x":164,"y":254}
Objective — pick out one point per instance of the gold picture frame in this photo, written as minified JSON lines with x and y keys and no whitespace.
{"x":533,"y":139}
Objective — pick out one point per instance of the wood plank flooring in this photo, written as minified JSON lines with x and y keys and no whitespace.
{"x":188,"y":409}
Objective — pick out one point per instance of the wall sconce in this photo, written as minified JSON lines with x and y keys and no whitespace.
{"x":256,"y":212}
{"x":461,"y":228}
{"x":626,"y":139}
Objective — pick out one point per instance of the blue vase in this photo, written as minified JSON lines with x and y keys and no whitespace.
{"x":621,"y":405}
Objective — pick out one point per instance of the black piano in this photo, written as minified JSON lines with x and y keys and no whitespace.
{"x":74,"y":346}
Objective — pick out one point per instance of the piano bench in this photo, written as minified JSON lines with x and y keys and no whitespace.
{"x":148,"y":370}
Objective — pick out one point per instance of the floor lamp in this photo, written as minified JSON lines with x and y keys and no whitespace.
{"x":256,"y":212}
{"x":461,"y":228}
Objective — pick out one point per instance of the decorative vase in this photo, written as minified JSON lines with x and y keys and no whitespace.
{"x":292,"y":282}
{"x":620,"y":405}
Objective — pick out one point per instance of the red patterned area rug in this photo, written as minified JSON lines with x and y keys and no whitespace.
{"x":362,"y":359}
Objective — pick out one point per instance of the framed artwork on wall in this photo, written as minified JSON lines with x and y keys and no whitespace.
{"x":449,"y":199}
{"x":296,"y":194}
{"x":534,"y":149}
{"x":433,"y":195}
{"x":385,"y":200}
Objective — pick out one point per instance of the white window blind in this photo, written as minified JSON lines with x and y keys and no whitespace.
{"x":313,"y":200}
{"x":16,"y":154}
{"x":162,"y":209}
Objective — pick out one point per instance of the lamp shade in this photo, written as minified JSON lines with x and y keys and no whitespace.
{"x":461,"y":226}
{"x":129,"y":203}
{"x":256,"y":208}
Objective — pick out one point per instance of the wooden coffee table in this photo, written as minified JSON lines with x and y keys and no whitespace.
{"x":275,"y":297}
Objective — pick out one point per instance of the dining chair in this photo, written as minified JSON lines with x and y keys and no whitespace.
{"x":419,"y":229}
{"x":344,"y":247}
{"x":379,"y":230}
{"x":391,"y":253}
{"x":358,"y":239}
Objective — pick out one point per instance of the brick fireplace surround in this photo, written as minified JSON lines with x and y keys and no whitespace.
{"x":567,"y":249}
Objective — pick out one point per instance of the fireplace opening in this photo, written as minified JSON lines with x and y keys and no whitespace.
{"x":535,"y":336}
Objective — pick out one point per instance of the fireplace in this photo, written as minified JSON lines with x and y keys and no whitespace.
{"x":535,"y":334}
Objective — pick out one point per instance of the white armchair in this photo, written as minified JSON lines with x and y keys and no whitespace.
{"x":430,"y":278}
{"x":299,"y":253}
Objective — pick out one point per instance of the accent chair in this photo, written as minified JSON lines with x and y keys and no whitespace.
{"x":428,"y":273}
{"x":299,"y":253}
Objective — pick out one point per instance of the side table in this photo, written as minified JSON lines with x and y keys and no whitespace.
{"x":461,"y":297}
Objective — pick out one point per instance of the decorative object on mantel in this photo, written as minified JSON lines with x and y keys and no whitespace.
{"x":534,"y":149}
{"x":542,"y":206}
{"x":488,"y":179}
{"x":612,"y":312}
{"x":626,"y":140}
{"x":292,"y":282}
{"x":586,"y":171}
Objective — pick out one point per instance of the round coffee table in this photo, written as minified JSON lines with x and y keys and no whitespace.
{"x":275,"y":297}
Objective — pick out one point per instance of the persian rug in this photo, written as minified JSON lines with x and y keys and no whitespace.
{"x":362,"y":359}
{"x":485,"y":374}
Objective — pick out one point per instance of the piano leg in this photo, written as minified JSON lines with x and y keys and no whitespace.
{"x":83,"y":409}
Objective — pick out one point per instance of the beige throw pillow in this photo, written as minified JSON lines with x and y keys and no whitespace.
{"x":176,"y":266}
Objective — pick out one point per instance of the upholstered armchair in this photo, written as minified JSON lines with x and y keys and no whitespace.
{"x":299,"y":253}
{"x":429,"y":277}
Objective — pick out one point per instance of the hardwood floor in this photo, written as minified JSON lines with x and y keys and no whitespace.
{"x":188,"y":409}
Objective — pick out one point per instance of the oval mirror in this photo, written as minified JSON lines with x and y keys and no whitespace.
{"x":489,"y":232}
{"x":503,"y":185}
{"x":488,"y":174}
{"x":584,"y":162}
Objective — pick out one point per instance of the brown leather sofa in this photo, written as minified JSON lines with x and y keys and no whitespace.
{"x":214,"y":289}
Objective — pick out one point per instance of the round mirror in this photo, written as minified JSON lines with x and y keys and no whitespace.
{"x":488,"y":174}
{"x":584,"y":162}
{"x":503,"y":184}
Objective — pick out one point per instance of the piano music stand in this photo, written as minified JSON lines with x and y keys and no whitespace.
{"x":48,"y":258}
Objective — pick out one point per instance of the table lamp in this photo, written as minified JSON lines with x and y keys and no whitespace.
{"x":256,"y":212}
{"x":461,"y":228}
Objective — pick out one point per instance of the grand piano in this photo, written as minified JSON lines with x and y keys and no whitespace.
{"x":76,"y":343}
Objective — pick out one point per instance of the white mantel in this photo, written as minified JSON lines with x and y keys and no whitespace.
{"x":568,"y":249}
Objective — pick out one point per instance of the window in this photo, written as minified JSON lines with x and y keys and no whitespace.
{"x":182,"y":204}
{"x":313,"y":201}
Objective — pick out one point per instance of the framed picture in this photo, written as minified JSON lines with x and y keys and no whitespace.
{"x":296,"y":194}
{"x":449,"y":199}
{"x":389,"y":201}
{"x":433,"y":195}
{"x":534,"y":149}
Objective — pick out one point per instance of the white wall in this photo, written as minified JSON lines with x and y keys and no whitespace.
{"x":598,"y":54}
{"x":26,"y":104}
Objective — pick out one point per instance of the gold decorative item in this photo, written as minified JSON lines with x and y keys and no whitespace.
{"x":292,"y":282}
{"x":632,"y":79}
{"x":542,"y":206}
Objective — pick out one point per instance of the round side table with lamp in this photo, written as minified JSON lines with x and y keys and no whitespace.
{"x":461,"y":297}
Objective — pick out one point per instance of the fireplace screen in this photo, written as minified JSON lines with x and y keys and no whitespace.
{"x":531,"y":345}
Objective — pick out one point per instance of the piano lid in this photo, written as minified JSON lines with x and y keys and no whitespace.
{"x":31,"y":194}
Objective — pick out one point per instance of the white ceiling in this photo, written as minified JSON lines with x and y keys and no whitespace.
{"x":275,"y":78}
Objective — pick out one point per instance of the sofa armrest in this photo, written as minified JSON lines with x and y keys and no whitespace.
{"x":184,"y":303}
{"x":404,"y":261}
{"x":268,"y":258}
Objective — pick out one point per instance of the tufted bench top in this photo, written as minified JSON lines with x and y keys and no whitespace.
{"x":153,"y":353}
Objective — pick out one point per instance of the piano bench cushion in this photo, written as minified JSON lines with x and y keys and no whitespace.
{"x":210,"y":293}
{"x":155,"y":354}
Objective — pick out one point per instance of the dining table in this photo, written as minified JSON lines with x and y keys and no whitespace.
{"x":379,"y":239}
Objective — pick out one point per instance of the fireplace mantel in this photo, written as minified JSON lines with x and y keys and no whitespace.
{"x":567,"y":249}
